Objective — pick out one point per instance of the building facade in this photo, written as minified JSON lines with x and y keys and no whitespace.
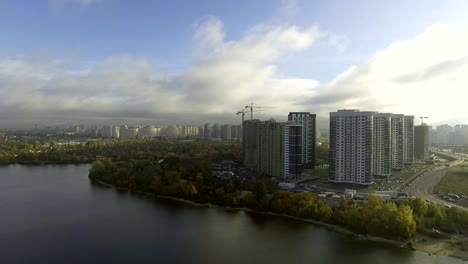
{"x":147,"y":132}
{"x":398,"y":139}
{"x":408,"y":139}
{"x":421,"y":142}
{"x":250,"y":143}
{"x":351,"y":147}
{"x":226,"y":132}
{"x":270,"y":154}
{"x":382,"y":144}
{"x":128,"y":132}
{"x":207,"y":131}
{"x":460,"y":135}
{"x":236,"y":131}
{"x":273,"y":148}
{"x":307,"y":120}
{"x":293,"y":152}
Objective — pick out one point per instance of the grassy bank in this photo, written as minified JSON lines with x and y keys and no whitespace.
{"x":455,"y":181}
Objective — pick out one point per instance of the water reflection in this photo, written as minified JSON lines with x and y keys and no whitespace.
{"x":52,"y":214}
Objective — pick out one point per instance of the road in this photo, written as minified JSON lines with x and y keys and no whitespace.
{"x":423,"y":187}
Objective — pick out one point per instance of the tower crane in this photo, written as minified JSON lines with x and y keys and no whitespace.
{"x":252,"y":106}
{"x":243,"y":112}
{"x":422,"y":119}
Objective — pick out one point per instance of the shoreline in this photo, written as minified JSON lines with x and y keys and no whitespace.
{"x":426,"y":244}
{"x":335,"y":228}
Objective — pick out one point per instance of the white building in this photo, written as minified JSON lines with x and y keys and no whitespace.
{"x":351,"y":147}
{"x":408,"y":140}
{"x":382,"y":144}
{"x":402,"y":141}
{"x":397,"y":141}
{"x":364,"y":144}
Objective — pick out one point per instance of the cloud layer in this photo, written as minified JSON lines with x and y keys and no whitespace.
{"x":423,"y":76}
{"x":225,"y":76}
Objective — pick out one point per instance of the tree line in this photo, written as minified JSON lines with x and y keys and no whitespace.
{"x":192,"y":179}
{"x":41,"y":153}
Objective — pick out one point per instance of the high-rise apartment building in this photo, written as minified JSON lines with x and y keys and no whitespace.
{"x":402,"y":141}
{"x":382,"y":144}
{"x":106,"y":131}
{"x":432,"y":136}
{"x":443,"y":133}
{"x":292,"y":148}
{"x":366,"y":144}
{"x":273,"y":148}
{"x":226,"y":132}
{"x":236,"y":131}
{"x":216,"y":133}
{"x":207,"y":131}
{"x":115,"y":131}
{"x":408,"y":139}
{"x":128,"y":132}
{"x":307,"y":120}
{"x":460,"y":135}
{"x":250,"y":143}
{"x":189,"y":131}
{"x":421,"y":142}
{"x":111,"y":131}
{"x":271,"y":156}
{"x":351,"y":147}
{"x":147,"y":132}
{"x":398,"y":139}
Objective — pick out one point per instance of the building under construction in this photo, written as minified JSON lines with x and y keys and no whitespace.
{"x":421,"y":142}
{"x":273,"y":148}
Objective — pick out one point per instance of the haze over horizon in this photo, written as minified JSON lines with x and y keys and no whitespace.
{"x":190,"y":62}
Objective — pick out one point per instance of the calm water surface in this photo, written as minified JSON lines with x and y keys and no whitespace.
{"x":52,"y":214}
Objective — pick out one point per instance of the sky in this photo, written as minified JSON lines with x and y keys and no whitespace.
{"x":191,"y":62}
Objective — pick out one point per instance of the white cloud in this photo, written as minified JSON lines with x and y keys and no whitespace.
{"x":230,"y":75}
{"x":423,"y":76}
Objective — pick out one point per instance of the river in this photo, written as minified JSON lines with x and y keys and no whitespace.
{"x":53,"y":214}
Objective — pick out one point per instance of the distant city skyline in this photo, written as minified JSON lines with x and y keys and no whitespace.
{"x":183,"y":62}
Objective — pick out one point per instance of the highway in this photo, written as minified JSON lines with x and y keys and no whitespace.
{"x":423,"y":187}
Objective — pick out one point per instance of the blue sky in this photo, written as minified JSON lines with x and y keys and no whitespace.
{"x":58,"y":42}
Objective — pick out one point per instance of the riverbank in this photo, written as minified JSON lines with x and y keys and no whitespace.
{"x":456,"y":248}
{"x":335,"y":228}
{"x":432,"y":246}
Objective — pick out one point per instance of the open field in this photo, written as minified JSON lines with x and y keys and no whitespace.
{"x":455,"y":181}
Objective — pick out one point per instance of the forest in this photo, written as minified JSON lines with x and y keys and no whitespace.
{"x":55,"y":153}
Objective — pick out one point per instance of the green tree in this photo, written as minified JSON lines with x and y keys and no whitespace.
{"x":260,"y":191}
